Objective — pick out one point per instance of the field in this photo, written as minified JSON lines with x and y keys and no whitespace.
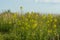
{"x":29,"y":26}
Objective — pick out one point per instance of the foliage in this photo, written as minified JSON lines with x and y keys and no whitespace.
{"x":29,"y":26}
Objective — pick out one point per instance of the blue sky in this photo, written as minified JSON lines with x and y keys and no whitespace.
{"x":44,"y":6}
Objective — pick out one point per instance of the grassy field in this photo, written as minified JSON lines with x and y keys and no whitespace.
{"x":29,"y":26}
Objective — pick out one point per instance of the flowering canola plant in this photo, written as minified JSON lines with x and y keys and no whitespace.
{"x":31,"y":26}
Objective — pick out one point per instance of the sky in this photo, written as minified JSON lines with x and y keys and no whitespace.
{"x":43,"y":6}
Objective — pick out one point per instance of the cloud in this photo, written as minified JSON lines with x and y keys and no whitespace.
{"x":48,"y":1}
{"x":36,"y":0}
{"x":56,"y":1}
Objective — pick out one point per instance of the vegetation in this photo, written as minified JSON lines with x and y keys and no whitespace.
{"x":29,"y":26}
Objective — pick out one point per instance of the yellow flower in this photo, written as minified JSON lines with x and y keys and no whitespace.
{"x":55,"y":33}
{"x":50,"y":16}
{"x":27,"y":27}
{"x":55,"y":20}
{"x":29,"y":15}
{"x":23,"y":16}
{"x":31,"y":20}
{"x":26,"y":19}
{"x":10,"y":22}
{"x":26,"y":23}
{"x":48,"y":24}
{"x":34,"y":25}
{"x":48,"y":21}
{"x":15,"y":15}
{"x":41,"y":22}
{"x":19,"y":22}
{"x":36,"y":15}
{"x":54,"y":26}
{"x":23,"y":28}
{"x":51,"y":20}
{"x":43,"y":16}
{"x":49,"y":31}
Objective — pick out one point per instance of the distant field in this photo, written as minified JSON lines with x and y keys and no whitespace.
{"x":29,"y":26}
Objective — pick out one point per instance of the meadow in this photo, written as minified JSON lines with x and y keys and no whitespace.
{"x":29,"y":26}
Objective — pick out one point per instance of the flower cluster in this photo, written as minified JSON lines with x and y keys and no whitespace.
{"x":29,"y":26}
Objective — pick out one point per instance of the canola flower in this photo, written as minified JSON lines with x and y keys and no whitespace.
{"x":19,"y":22}
{"x":50,"y":16}
{"x":36,"y":15}
{"x":55,"y":33}
{"x":29,"y":23}
{"x":43,"y":16}
{"x":48,"y":22}
{"x":22,"y":28}
{"x":10,"y":22}
{"x":22,"y":16}
{"x":49,"y":31}
{"x":51,"y":20}
{"x":54,"y":26}
{"x":27,"y":28}
{"x":14,"y":16}
{"x":34,"y":25}
{"x":29,"y":15}
{"x":33,"y":21}
{"x":55,"y":20}
{"x":26,"y":19}
{"x":41,"y":23}
{"x":26,"y":23}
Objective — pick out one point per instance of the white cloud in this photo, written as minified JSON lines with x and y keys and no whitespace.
{"x":36,"y":0}
{"x":56,"y":1}
{"x":48,"y":1}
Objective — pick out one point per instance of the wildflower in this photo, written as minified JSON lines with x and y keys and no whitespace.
{"x":19,"y":22}
{"x":26,"y":19}
{"x":26,"y":23}
{"x":48,"y":24}
{"x":22,"y":16}
{"x":43,"y":16}
{"x":54,"y":26}
{"x":33,"y":21}
{"x":50,"y":16}
{"x":49,"y":31}
{"x":55,"y":33}
{"x":22,"y":22}
{"x":41,"y":22}
{"x":29,"y":15}
{"x":22,"y":27}
{"x":15,"y":15}
{"x":51,"y":20}
{"x":36,"y":15}
{"x":27,"y":27}
{"x":34,"y":25}
{"x":55,"y":20}
{"x":10,"y":22}
{"x":48,"y":21}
